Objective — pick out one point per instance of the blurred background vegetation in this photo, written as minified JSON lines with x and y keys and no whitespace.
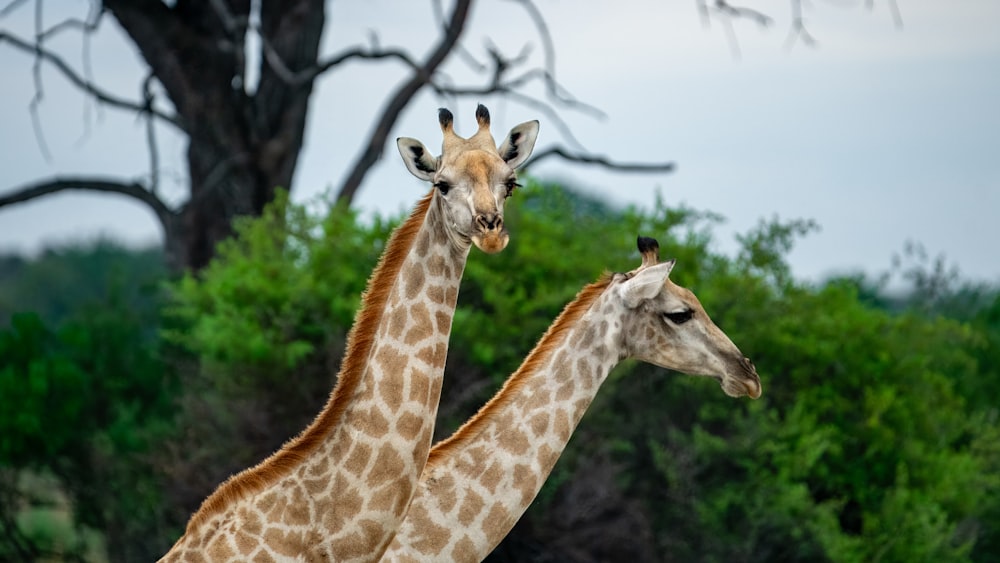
{"x":127,"y":395}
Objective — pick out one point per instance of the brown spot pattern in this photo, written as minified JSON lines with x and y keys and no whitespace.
{"x":420,"y":387}
{"x":497,"y":522}
{"x":443,"y":322}
{"x":391,"y":360}
{"x":358,"y":459}
{"x":373,"y":423}
{"x":472,"y":505}
{"x":409,"y":425}
{"x":421,"y":327}
{"x":526,"y":482}
{"x":388,"y":466}
{"x":514,"y":441}
{"x":539,"y":423}
{"x":414,"y":282}
{"x":433,"y":538}
{"x":464,"y":550}
{"x":390,"y":390}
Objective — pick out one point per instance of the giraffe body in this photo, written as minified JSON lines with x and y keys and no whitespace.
{"x":479,"y":482}
{"x":339,"y":490}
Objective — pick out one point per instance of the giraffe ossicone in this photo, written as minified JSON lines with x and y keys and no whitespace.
{"x":478,"y":482}
{"x":339,"y":490}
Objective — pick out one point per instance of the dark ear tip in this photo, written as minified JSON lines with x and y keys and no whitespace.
{"x":646,"y":244}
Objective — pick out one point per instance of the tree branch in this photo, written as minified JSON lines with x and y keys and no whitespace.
{"x":9,"y":8}
{"x":59,"y":184}
{"x":601,"y":161}
{"x":84,"y":84}
{"x":377,"y":139}
{"x":798,"y":29}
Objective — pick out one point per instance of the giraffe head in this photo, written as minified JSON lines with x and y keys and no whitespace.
{"x":473,"y":176}
{"x":665,"y":325}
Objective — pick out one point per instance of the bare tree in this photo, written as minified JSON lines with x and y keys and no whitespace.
{"x":244,"y":142}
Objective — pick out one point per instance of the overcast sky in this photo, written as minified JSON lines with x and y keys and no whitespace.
{"x":881,"y":134}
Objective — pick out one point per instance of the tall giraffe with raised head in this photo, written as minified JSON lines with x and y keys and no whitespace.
{"x":478,"y":482}
{"x":339,"y":490}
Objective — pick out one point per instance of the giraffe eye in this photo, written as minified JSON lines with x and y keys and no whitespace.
{"x":511,"y":184}
{"x":679,"y":317}
{"x":443,"y":186}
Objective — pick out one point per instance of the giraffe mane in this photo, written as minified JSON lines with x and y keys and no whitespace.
{"x":541,"y":353}
{"x":360,"y":341}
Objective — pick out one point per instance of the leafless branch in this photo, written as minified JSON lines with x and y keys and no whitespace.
{"x":59,"y":184}
{"x":356,"y":53}
{"x":798,"y":29}
{"x":36,"y":99}
{"x":548,"y":49}
{"x":154,"y":153}
{"x":377,"y":139}
{"x":897,"y":16}
{"x":758,"y":17}
{"x":9,"y":8}
{"x":600,"y":160}
{"x":728,"y":14}
{"x":81,"y":82}
{"x":87,"y":27}
{"x":460,"y":50}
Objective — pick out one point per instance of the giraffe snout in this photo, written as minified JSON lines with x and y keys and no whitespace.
{"x":752,"y":380}
{"x":490,"y":237}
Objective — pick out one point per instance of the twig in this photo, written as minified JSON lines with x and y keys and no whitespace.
{"x":154,"y":153}
{"x":798,"y":29}
{"x":36,"y":99}
{"x":760,"y":18}
{"x":83,"y":83}
{"x":9,"y":8}
{"x":421,"y":77}
{"x":600,"y":160}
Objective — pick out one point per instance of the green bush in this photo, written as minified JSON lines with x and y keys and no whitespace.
{"x":84,"y":404}
{"x":875,"y":440}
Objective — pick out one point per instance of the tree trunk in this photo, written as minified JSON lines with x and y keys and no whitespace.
{"x":242,"y":144}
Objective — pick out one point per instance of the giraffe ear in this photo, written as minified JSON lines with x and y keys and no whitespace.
{"x":517,"y":147}
{"x":417,"y":158}
{"x":645,"y":284}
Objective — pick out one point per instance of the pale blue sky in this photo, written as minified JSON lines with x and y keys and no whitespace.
{"x":881,"y":135}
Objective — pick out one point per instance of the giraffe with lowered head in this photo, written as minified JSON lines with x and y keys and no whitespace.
{"x":339,"y":490}
{"x":478,"y":482}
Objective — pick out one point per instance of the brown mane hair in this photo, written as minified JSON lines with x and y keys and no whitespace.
{"x":542,"y":351}
{"x":359,"y":345}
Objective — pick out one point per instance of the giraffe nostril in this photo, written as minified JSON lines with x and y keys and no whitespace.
{"x":489,"y":221}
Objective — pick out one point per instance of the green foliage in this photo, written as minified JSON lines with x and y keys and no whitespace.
{"x":55,"y":284}
{"x":83,"y":403}
{"x":864,"y":447}
{"x":282,"y":288}
{"x":876,"y":438}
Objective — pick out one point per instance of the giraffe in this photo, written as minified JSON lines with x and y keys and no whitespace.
{"x":339,"y":490}
{"x":478,"y":482}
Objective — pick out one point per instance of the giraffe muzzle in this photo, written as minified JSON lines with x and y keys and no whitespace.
{"x":490,"y":236}
{"x":750,"y":379}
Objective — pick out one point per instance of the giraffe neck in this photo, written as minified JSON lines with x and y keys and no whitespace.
{"x":339,"y":490}
{"x":479,"y":482}
{"x":380,"y":444}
